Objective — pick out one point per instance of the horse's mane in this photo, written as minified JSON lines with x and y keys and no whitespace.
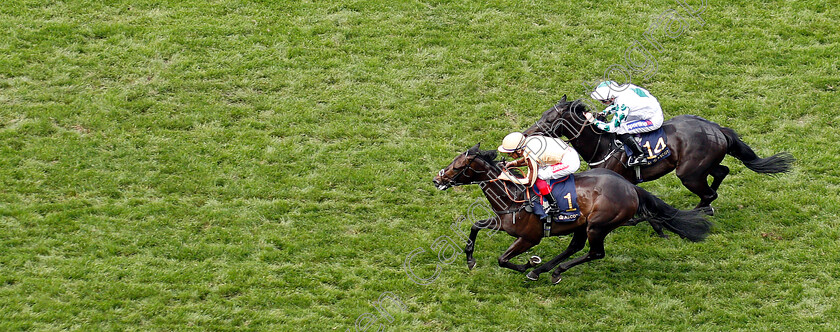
{"x":578,"y":106}
{"x":490,"y":156}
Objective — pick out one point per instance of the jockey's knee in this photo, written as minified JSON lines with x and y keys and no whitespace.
{"x":542,"y":187}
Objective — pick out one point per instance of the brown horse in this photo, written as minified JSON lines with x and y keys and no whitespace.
{"x":697,"y":149}
{"x":606,"y":202}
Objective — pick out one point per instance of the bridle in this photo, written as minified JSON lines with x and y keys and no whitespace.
{"x":580,"y":131}
{"x":452,"y":183}
{"x":451,"y":180}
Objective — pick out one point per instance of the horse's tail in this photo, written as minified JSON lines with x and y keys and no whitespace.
{"x":778,"y":163}
{"x":687,"y":224}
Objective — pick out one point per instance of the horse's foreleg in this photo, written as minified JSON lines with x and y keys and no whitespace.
{"x":576,"y":244}
{"x":596,"y":251}
{"x":519,"y":246}
{"x":491,"y":223}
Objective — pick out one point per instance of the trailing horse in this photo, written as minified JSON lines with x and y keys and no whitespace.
{"x":606,"y":202}
{"x":697,"y":149}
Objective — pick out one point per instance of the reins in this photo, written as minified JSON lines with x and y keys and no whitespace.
{"x":595,"y":153}
{"x":597,"y":145}
{"x":507,"y":191}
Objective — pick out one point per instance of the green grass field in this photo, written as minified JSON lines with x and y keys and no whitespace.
{"x":264,"y":165}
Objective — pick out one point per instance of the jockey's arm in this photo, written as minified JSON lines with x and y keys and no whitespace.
{"x":619,"y":114}
{"x":532,"y":171}
{"x":529,"y":178}
{"x":517,"y":163}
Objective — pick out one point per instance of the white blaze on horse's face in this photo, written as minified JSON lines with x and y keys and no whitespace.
{"x":442,"y":186}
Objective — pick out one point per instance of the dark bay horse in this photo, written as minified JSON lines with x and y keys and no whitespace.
{"x":697,"y":149}
{"x":606,"y":202}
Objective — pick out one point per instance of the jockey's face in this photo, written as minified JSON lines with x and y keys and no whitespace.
{"x":516,"y":154}
{"x":608,"y":102}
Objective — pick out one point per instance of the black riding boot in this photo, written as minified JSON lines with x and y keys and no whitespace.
{"x":553,"y":209}
{"x":638,"y":157}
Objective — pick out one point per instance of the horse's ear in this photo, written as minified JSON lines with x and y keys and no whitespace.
{"x":563,"y":100}
{"x":474,"y":149}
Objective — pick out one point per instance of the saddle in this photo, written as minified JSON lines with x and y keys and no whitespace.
{"x":565,"y":194}
{"x":654,"y":144}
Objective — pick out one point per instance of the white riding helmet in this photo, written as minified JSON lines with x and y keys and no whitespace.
{"x":512,"y":142}
{"x":606,"y":90}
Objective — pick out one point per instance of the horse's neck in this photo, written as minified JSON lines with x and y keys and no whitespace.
{"x":593,"y":146}
{"x":499,"y":195}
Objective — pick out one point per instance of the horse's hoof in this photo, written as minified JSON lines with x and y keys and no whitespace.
{"x":471,"y":264}
{"x":707,"y":210}
{"x":532,"y":276}
{"x":556,"y":279}
{"x":535,"y":260}
{"x":710,"y":211}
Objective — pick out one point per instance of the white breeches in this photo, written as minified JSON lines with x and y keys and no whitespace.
{"x":568,"y":165}
{"x":641,"y":121}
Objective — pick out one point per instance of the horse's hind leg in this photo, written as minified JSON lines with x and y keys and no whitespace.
{"x":576,"y":244}
{"x":718,"y":173}
{"x":699,"y":186}
{"x":519,"y":246}
{"x":491,"y":223}
{"x":596,"y":251}
{"x":656,"y":227}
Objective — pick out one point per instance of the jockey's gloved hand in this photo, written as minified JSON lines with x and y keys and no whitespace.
{"x":601,"y":117}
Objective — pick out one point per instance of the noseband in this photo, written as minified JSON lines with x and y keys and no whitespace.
{"x":451,"y":180}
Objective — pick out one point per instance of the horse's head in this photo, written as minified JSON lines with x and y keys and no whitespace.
{"x":469,"y":167}
{"x":563,"y":119}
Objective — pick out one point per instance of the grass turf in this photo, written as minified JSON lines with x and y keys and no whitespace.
{"x":220,"y":165}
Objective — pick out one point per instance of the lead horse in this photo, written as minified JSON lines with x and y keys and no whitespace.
{"x":606,"y":201}
{"x":697,"y":149}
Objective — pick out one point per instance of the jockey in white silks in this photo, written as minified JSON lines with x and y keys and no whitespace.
{"x":634,"y":110}
{"x":547,"y":159}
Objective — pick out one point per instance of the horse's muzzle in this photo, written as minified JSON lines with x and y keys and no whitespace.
{"x":440,"y":184}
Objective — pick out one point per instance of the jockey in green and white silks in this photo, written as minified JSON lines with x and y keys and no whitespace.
{"x":634,"y":110}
